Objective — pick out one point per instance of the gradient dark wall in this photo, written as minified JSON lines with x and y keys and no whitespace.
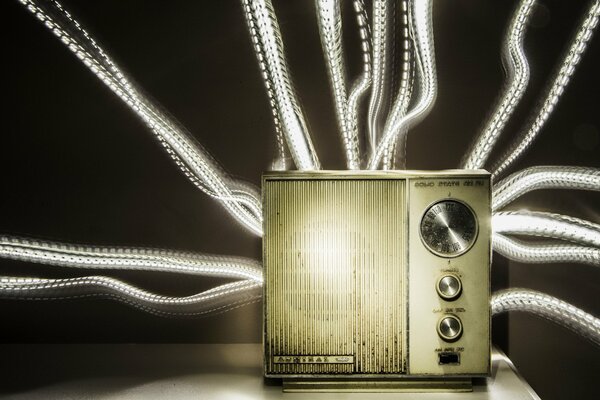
{"x":77,"y":166}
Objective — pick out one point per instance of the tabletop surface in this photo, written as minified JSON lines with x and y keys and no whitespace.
{"x":186,"y":371}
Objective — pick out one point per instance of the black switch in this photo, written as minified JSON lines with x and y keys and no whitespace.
{"x":449,"y":358}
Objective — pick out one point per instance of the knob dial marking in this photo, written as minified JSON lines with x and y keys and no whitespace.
{"x":449,"y":228}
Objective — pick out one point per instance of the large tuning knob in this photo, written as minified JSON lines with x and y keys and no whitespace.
{"x":449,"y":228}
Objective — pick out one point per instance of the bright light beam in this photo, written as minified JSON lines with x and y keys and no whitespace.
{"x":194,"y":161}
{"x":128,"y":258}
{"x":363,"y":82}
{"x":536,"y":253}
{"x":329,"y":18}
{"x":559,"y":83}
{"x":214,"y":301}
{"x":264,"y":30}
{"x":425,"y":54}
{"x":400,"y":105}
{"x":517,"y":78}
{"x":544,"y":177}
{"x":550,"y":225}
{"x":550,"y":308}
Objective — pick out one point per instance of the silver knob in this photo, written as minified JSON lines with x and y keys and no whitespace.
{"x":450,"y":328}
{"x":449,"y":228}
{"x":449,"y":287}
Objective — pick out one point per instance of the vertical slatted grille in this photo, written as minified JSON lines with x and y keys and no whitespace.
{"x":334,"y":254}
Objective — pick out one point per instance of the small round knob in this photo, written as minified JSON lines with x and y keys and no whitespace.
{"x":450,"y":328}
{"x":449,"y":287}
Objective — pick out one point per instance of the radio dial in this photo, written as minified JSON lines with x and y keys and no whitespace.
{"x":450,"y":328}
{"x":449,"y":228}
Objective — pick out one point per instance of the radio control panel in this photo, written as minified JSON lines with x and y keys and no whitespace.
{"x":448,"y":275}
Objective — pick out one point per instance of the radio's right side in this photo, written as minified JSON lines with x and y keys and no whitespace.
{"x":449,"y":276}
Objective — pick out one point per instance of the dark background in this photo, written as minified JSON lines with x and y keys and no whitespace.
{"x":78,"y":166}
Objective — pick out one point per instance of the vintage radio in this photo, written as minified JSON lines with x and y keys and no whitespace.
{"x":376,"y":280}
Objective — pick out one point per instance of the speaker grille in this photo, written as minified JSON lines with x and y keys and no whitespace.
{"x":334,"y":256}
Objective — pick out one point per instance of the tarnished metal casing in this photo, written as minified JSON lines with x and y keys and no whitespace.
{"x":350,"y":287}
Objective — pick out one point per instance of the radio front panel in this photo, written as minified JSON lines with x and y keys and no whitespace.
{"x":376,"y":274}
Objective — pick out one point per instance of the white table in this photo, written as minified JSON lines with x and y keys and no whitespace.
{"x":186,"y":371}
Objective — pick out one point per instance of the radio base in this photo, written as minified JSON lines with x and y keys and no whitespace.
{"x":412,"y":385}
